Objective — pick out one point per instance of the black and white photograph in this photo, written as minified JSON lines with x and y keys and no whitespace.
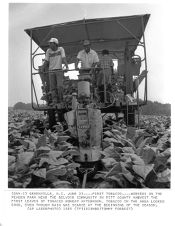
{"x":84,"y":109}
{"x":89,"y":106}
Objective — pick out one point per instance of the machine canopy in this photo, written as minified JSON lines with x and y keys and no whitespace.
{"x":110,"y":33}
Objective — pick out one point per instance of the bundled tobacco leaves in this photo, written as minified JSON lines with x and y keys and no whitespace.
{"x":130,"y":157}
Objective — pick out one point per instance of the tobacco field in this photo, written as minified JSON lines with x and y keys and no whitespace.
{"x":130,"y":158}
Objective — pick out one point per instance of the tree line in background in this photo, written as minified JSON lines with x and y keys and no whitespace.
{"x":152,"y":108}
{"x":156,"y":108}
{"x":22,"y":106}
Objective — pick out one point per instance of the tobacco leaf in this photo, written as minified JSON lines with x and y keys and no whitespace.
{"x":118,"y":168}
{"x":23,"y":160}
{"x":128,"y":150}
{"x":11,"y":160}
{"x":59,"y":128}
{"x":164,"y":176}
{"x":52,"y":137}
{"x":28,"y":145}
{"x":61,"y":161}
{"x":108,"y":162}
{"x":119,"y":180}
{"x":11,"y":168}
{"x":109,"y":148}
{"x":40,"y":173}
{"x":138,"y":140}
{"x":129,"y":176}
{"x":42,"y":150}
{"x":55,"y":154}
{"x":58,"y":171}
{"x":51,"y":160}
{"x":62,"y":138}
{"x":166,"y":153}
{"x":131,"y":132}
{"x":150,"y":144}
{"x":106,"y":184}
{"x":26,"y":182}
{"x":148,"y":155}
{"x":105,"y":144}
{"x":73,"y":165}
{"x":142,"y":170}
{"x":116,"y":132}
{"x":139,"y":150}
{"x":108,"y":133}
{"x":111,"y":153}
{"x":41,"y":141}
{"x":61,"y":184}
{"x":72,"y":152}
{"x":99,"y":176}
{"x":137,"y":160}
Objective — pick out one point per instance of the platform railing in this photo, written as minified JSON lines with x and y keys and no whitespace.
{"x":38,"y":71}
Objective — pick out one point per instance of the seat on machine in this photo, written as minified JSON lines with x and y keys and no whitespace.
{"x":138,"y":80}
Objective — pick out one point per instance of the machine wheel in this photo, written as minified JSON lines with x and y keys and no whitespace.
{"x":60,"y":116}
{"x":51,"y":118}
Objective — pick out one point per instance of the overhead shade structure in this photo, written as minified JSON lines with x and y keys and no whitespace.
{"x":110,"y":33}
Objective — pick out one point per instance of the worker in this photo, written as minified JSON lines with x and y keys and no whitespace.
{"x":128,"y":72}
{"x":132,"y":68}
{"x":45,"y":81}
{"x":88,"y":57}
{"x":105,"y":74}
{"x":54,"y":58}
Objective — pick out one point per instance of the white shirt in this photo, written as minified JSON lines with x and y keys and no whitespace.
{"x":55,"y":58}
{"x":87,"y":59}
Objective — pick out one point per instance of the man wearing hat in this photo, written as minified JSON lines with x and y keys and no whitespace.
{"x":54,"y":58}
{"x":87,"y":56}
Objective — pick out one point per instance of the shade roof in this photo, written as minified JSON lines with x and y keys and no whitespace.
{"x":110,"y":33}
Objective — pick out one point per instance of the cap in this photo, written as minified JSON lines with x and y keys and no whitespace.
{"x":55,"y":40}
{"x":86,"y":42}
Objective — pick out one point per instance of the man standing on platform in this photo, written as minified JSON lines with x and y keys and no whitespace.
{"x":104,"y":77}
{"x":88,"y":57}
{"x":54,"y":58}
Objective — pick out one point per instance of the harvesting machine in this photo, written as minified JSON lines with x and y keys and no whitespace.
{"x":124,"y":37}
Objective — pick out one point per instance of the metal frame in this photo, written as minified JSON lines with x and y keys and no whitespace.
{"x":90,"y":21}
{"x":144,"y":46}
{"x":33,"y":55}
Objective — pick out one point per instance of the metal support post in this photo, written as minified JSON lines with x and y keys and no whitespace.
{"x":144,"y":46}
{"x":35,"y":95}
{"x":43,"y":40}
{"x":138,"y":107}
{"x":84,"y":179}
{"x":31,"y":68}
{"x":104,"y":80}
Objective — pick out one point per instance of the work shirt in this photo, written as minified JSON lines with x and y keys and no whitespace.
{"x":105,"y":74}
{"x":106,"y":61}
{"x":55,"y":58}
{"x":87,"y":59}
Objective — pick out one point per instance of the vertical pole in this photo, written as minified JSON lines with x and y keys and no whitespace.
{"x":144,"y":46}
{"x":104,"y":80}
{"x":52,"y":28}
{"x":35,"y":93}
{"x":138,"y":107}
{"x":127,"y":112}
{"x":126,"y":85}
{"x":84,"y":179}
{"x":31,"y":68}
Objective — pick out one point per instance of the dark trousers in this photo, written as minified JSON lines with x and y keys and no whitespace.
{"x":102,"y":94}
{"x":56,"y":86}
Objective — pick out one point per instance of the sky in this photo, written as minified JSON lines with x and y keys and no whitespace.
{"x":29,"y":15}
